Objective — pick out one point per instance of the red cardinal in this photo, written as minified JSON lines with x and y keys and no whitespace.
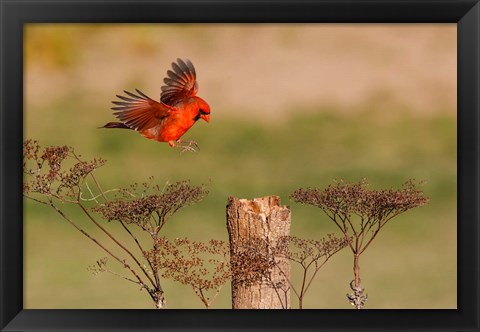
{"x":165,"y":121}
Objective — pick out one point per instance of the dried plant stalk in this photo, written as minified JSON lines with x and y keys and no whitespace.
{"x":310,"y":255}
{"x":57,"y":174}
{"x":360,"y":214}
{"x":202,"y":266}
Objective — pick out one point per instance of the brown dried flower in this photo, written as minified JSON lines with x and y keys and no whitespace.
{"x":360,"y":214}
{"x":56,"y":174}
{"x":204,"y":266}
{"x":345,"y":198}
{"x":252,"y":262}
{"x":43,"y":170}
{"x":150,"y":212}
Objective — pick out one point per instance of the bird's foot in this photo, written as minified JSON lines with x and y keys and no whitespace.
{"x":187,"y":146}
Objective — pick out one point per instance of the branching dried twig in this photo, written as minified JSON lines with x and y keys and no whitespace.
{"x":311,"y":255}
{"x":255,"y":260}
{"x":361,"y":214}
{"x":47,"y":182}
{"x":202,"y":266}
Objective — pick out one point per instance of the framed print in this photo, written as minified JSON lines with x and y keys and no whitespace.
{"x":213,"y":155}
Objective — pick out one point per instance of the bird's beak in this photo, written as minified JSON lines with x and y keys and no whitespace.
{"x":205,"y":117}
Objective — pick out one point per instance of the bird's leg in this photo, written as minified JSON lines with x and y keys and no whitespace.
{"x":190,"y":146}
{"x":193,"y":144}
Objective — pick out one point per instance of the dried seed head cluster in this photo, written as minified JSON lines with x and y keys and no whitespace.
{"x":43,"y":170}
{"x":58,"y":175}
{"x":157,"y":207}
{"x":252,"y":262}
{"x":361,"y":214}
{"x":345,"y":198}
{"x":204,"y":266}
{"x":31,"y":148}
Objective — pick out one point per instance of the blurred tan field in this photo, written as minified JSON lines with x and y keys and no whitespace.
{"x":292,"y":106}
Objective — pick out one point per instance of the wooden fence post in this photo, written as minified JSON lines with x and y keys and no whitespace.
{"x":260,"y":223}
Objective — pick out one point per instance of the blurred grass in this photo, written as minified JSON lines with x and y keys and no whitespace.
{"x":412,"y":264}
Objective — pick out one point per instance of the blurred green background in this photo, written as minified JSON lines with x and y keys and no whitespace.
{"x":292,"y":106}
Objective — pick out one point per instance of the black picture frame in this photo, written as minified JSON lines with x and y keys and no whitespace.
{"x":16,"y":13}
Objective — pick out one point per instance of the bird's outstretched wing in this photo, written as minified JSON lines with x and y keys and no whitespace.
{"x":181,"y":82}
{"x":140,"y":112}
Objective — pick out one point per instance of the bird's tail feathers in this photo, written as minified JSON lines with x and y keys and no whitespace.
{"x":115,"y":125}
